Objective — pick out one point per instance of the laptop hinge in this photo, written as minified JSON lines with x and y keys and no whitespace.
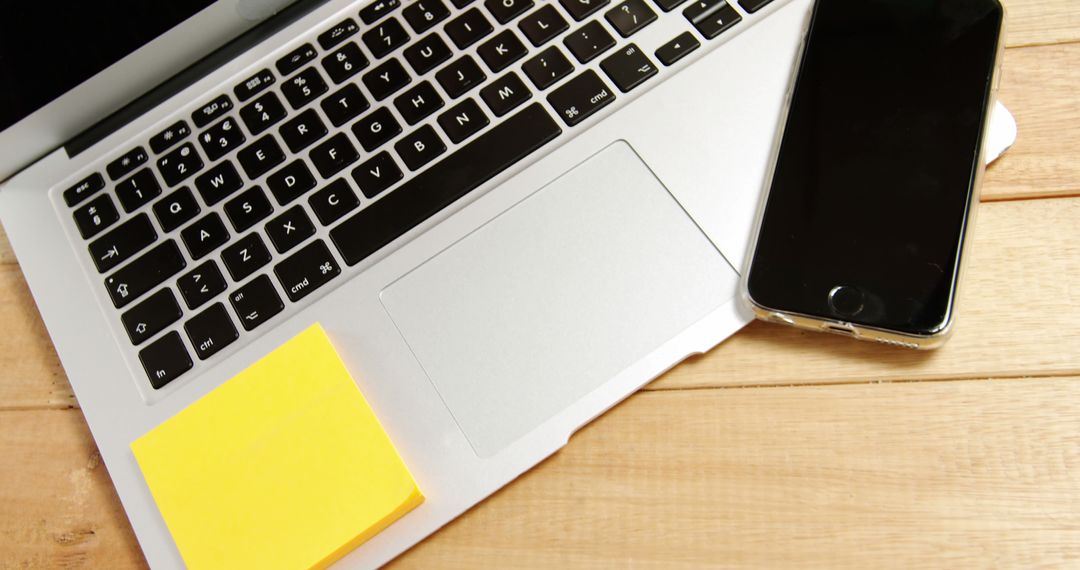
{"x":188,"y":76}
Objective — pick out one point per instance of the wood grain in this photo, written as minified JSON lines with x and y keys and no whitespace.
{"x":959,"y":474}
{"x":1041,"y":22}
{"x":929,"y":475}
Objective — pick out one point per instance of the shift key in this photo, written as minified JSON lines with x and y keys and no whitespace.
{"x":307,"y":270}
{"x":580,"y":97}
{"x":145,"y":273}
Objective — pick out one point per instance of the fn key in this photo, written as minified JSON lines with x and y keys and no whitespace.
{"x":165,"y":359}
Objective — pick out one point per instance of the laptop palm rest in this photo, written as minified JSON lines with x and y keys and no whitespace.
{"x":556,"y":296}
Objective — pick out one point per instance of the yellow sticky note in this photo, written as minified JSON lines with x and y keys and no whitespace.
{"x":283,"y":466}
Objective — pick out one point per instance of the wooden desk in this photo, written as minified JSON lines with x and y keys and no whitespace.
{"x":777,"y":448}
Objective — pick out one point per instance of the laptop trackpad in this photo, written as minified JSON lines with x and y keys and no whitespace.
{"x":557,"y":295}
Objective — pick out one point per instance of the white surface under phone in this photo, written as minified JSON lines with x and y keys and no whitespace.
{"x":492,"y":333}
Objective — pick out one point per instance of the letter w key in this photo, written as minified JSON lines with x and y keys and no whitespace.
{"x":217,"y":183}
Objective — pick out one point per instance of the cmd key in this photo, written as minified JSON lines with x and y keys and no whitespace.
{"x":306,"y":270}
{"x":580,"y":97}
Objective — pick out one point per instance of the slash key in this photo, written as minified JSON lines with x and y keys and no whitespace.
{"x":580,"y":97}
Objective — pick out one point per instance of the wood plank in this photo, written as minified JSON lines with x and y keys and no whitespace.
{"x":962,"y":474}
{"x":1039,"y":87}
{"x":58,"y":508}
{"x":931,"y":475}
{"x":1018,"y":315}
{"x":1041,"y":22}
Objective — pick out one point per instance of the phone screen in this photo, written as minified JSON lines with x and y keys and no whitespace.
{"x":867,"y":207}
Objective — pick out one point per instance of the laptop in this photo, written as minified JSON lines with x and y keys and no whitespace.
{"x":508,"y":215}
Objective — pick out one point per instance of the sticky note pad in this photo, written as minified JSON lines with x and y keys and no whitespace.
{"x":283,"y":466}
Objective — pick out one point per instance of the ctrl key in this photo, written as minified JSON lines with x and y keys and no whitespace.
{"x":165,"y":359}
{"x":211,"y":331}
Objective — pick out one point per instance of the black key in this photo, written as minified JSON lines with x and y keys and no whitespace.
{"x":304,"y":88}
{"x":668,"y":5}
{"x":201,"y":284}
{"x":179,"y":164}
{"x":260,"y":156}
{"x":205,"y":235}
{"x":218,"y":183}
{"x":345,"y":62}
{"x":221,"y":139}
{"x":424,"y":14}
{"x":245,"y":256}
{"x":211,"y":331}
{"x":502,"y":50}
{"x":418,"y":102}
{"x":138,"y":190}
{"x":145,"y":273}
{"x":506,"y":10}
{"x":124,"y":165}
{"x":628,"y":67}
{"x":677,"y":48}
{"x":334,"y":201}
{"x":377,"y":174}
{"x":337,"y":34}
{"x":589,"y":41}
{"x":84,"y":189}
{"x":426,"y":53}
{"x":254,"y":85}
{"x":121,"y":243}
{"x":303,"y":130}
{"x":344,"y":105}
{"x":581,"y":9}
{"x":256,"y":302}
{"x":95,"y":216}
{"x":262,"y":113}
{"x":700,"y":9}
{"x":580,"y":97}
{"x":165,"y":359}
{"x":420,"y":147}
{"x":247,"y":209}
{"x":505,"y":94}
{"x":547,"y":67}
{"x":717,"y":21}
{"x":376,"y":129}
{"x":468,"y":28}
{"x":306,"y":270}
{"x":212,"y":110}
{"x":463,"y":120}
{"x":543,"y":25}
{"x":630,"y":16}
{"x":461,"y":3}
{"x":289,"y":229}
{"x":164,"y":140}
{"x":333,"y":155}
{"x":151,"y":316}
{"x":385,"y":37}
{"x":296,"y":59}
{"x":444,"y":183}
{"x":386,"y":79}
{"x":176,"y":209}
{"x":372,"y":12}
{"x":290,"y":182}
{"x":460,"y":76}
{"x":753,"y":5}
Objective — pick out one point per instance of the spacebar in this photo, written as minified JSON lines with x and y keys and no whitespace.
{"x":442,"y":184}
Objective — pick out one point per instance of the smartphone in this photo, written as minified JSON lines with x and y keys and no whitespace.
{"x":877,"y":169}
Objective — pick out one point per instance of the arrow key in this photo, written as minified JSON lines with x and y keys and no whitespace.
{"x":256,"y":302}
{"x":201,"y":284}
{"x":151,"y":316}
{"x":677,"y":48}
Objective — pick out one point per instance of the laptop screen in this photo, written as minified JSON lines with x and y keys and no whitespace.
{"x":48,"y":48}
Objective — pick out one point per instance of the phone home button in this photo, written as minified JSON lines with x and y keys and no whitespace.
{"x":846,"y":301}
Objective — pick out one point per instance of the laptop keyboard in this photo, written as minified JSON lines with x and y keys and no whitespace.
{"x":352,"y":133}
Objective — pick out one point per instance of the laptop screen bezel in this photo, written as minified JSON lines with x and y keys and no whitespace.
{"x":51,"y":126}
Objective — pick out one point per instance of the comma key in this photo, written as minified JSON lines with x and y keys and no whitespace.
{"x":307,"y":270}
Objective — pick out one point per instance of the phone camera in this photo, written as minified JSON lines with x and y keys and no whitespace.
{"x":846,"y":301}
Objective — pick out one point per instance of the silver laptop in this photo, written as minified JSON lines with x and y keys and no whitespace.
{"x":508,"y":215}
